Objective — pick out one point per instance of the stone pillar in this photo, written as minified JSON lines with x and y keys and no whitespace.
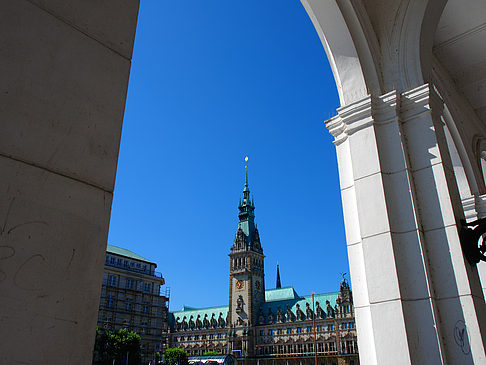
{"x":64,"y":68}
{"x":416,"y":299}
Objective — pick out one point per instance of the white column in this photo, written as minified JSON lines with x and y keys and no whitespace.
{"x":413,"y":291}
{"x":64,"y":68}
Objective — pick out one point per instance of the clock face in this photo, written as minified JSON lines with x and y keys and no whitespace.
{"x":240,"y":284}
{"x":258,"y":285}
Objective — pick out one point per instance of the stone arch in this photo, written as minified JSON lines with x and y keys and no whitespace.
{"x":419,"y":22}
{"x":353,"y":63}
{"x":395,"y":98}
{"x":449,"y":74}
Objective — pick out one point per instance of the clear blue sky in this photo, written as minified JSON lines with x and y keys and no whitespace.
{"x":211,"y":82}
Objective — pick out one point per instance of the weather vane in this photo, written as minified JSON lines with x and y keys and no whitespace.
{"x":343,"y":274}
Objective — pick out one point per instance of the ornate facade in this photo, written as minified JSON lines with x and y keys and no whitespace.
{"x":268,"y":326}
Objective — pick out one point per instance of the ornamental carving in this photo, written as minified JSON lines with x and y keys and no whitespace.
{"x":308,"y":312}
{"x":280,"y":316}
{"x":319,"y":311}
{"x":206,"y":321}
{"x":270,"y":316}
{"x":289,"y":314}
{"x":261,"y":317}
{"x":220,"y":320}
{"x":239,"y":304}
{"x":299,"y":314}
{"x":330,"y":309}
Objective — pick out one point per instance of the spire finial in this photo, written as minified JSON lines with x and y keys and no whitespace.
{"x":279,"y":285}
{"x":246,"y":172}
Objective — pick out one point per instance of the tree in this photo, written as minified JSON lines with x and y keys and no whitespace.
{"x":210,"y":353}
{"x":175,"y":356}
{"x":117,"y":347}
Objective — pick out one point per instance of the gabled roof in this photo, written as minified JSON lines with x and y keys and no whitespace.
{"x":280,"y":294}
{"x":301,"y":301}
{"x":194,"y":312}
{"x":127,"y":253}
{"x":274,"y":299}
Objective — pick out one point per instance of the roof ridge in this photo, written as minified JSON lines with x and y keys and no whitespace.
{"x":200,"y":309}
{"x":126,"y":253}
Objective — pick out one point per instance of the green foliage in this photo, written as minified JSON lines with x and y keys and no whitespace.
{"x":210,"y":353}
{"x":118,"y":346}
{"x":175,"y":356}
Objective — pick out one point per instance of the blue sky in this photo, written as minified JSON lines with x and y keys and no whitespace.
{"x":212,"y":82}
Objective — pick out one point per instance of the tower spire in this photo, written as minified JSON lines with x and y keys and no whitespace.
{"x":246,"y":215}
{"x":279,"y":285}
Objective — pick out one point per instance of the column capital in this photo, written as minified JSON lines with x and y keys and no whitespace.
{"x":350,"y":118}
{"x":420,"y":100}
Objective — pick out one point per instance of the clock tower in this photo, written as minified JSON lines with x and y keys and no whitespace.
{"x":246,"y":282}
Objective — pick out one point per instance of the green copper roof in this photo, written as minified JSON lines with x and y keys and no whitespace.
{"x":127,"y":253}
{"x":301,"y":301}
{"x":274,"y":299}
{"x":280,"y":294}
{"x":194,"y":312}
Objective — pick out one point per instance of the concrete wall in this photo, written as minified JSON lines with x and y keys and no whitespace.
{"x":64,"y":69}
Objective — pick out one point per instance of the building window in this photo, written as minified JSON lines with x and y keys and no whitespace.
{"x":203,"y":337}
{"x":119,"y":262}
{"x":279,"y":331}
{"x":145,"y":307}
{"x":110,"y":301}
{"x":332,"y":346}
{"x":319,"y":328}
{"x":220,"y":335}
{"x":147,"y":287}
{"x":270,"y":332}
{"x":138,"y":265}
{"x":112,"y":260}
{"x":299,"y":329}
{"x":330,"y":327}
{"x":128,"y":305}
{"x":107,"y":323}
{"x":125,"y":263}
{"x":129,"y":283}
{"x":112,"y":280}
{"x":262,"y":332}
{"x":309,"y":329}
{"x":351,"y":325}
{"x":344,"y":326}
{"x":211,"y":337}
{"x":289,"y":331}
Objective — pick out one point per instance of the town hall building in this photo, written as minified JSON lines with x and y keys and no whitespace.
{"x":268,"y":326}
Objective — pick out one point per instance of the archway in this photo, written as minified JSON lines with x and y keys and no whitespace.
{"x":400,"y":192}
